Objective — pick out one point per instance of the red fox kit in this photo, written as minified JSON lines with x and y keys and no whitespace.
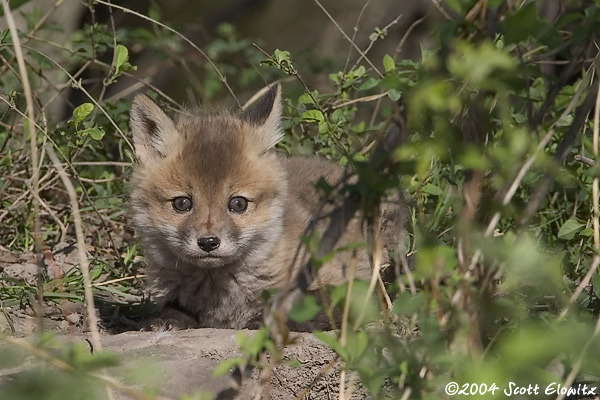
{"x":219,"y":213}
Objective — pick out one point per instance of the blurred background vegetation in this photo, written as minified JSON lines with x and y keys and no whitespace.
{"x":497,"y":102}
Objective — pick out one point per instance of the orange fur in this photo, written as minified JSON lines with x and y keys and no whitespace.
{"x":210,"y":158}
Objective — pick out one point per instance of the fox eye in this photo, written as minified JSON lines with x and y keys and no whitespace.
{"x":238,"y":204}
{"x":182,"y":204}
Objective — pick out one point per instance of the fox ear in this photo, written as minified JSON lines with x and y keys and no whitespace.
{"x":151,"y":129}
{"x":265,"y":115}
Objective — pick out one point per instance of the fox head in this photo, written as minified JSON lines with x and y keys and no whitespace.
{"x":208,"y":188}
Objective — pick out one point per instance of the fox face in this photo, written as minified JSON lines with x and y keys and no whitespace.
{"x":208,"y":190}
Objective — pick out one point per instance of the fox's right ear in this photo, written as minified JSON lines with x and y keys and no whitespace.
{"x":152,"y":129}
{"x":264,"y":114}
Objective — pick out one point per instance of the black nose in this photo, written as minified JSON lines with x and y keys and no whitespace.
{"x":209,"y":243}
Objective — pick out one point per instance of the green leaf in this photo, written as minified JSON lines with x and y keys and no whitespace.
{"x":120,"y":62}
{"x":356,"y":343}
{"x":370,"y":83}
{"x":130,"y":156}
{"x":338,"y":117}
{"x":95,"y":132}
{"x":292,"y":363}
{"x":388,"y":63}
{"x":313,"y":116}
{"x":323,"y":127}
{"x":254,"y":345}
{"x":338,"y":293}
{"x":332,"y":342}
{"x":225,"y":365}
{"x":587,"y":232}
{"x":455,"y":5}
{"x":62,"y":295}
{"x":390,"y":81}
{"x":258,"y":341}
{"x":526,"y":22}
{"x":101,"y":359}
{"x":95,"y":272}
{"x":119,"y":293}
{"x":481,"y":65}
{"x":81,"y":112}
{"x":305,"y":98}
{"x":570,"y":228}
{"x":394,"y":94}
{"x":305,"y":310}
{"x":406,"y":304}
{"x":282,"y":56}
{"x":432,"y":189}
{"x":121,"y":56}
{"x":357,"y":73}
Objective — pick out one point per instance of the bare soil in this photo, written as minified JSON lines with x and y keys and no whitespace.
{"x":183,"y":360}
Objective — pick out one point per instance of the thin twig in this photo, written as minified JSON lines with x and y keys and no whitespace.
{"x":184,"y":38}
{"x":437,"y":5}
{"x":584,"y":160}
{"x":407,"y":34}
{"x":372,"y":42}
{"x":339,"y":28}
{"x":354,"y":34}
{"x":359,"y":100}
{"x":142,"y":276}
{"x":144,"y":82}
{"x":77,"y":85}
{"x":106,"y":81}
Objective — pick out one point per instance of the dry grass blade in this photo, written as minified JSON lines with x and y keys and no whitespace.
{"x":595,"y":185}
{"x":92,"y":318}
{"x":35,"y":168}
{"x":344,"y":324}
{"x":376,"y":262}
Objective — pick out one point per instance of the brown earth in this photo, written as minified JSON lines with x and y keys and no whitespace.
{"x":183,"y":361}
{"x":187,"y":359}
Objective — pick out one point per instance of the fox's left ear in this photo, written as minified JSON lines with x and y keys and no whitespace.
{"x":265,"y":115}
{"x":153,"y":131}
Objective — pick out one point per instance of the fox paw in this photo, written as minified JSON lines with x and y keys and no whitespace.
{"x":160,"y":324}
{"x":170,"y":319}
